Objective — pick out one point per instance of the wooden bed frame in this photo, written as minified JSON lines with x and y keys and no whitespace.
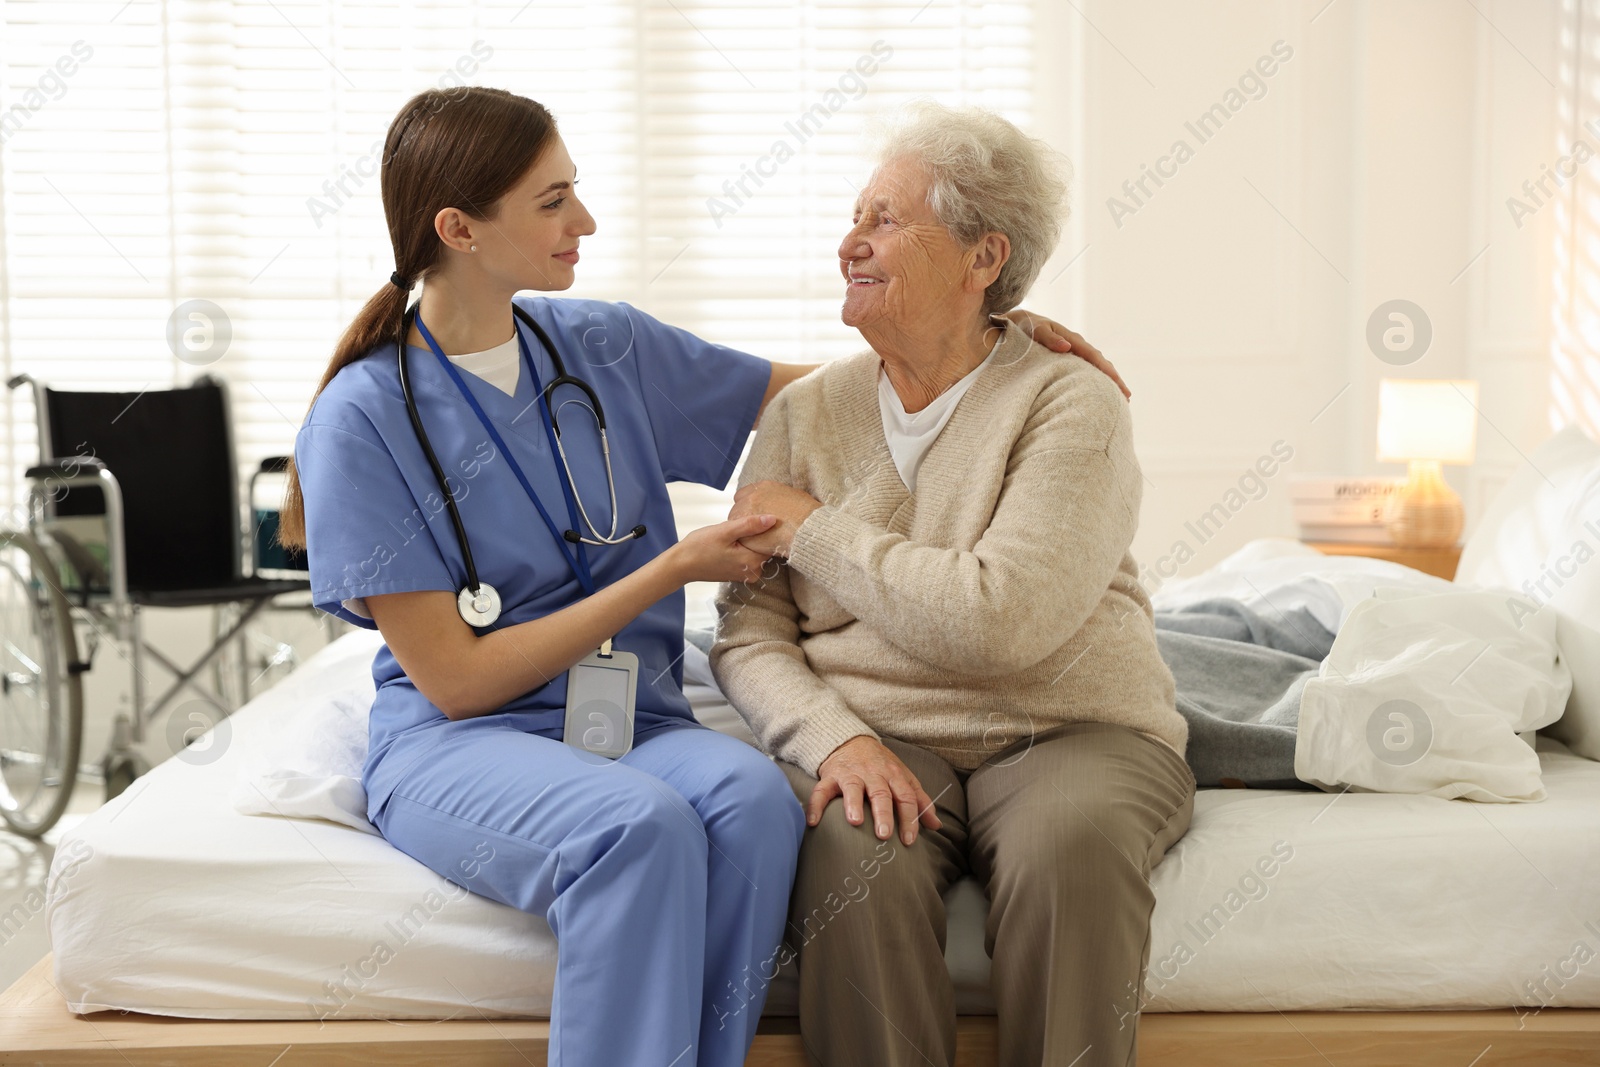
{"x":37,"y":1028}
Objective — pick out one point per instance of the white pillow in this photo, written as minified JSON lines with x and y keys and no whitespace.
{"x":1528,"y":517}
{"x":1539,"y":541}
{"x":311,"y":767}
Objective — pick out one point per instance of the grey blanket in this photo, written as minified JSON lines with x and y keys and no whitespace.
{"x":1239,"y":676}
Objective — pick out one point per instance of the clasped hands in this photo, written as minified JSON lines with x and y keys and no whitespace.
{"x":791,"y":506}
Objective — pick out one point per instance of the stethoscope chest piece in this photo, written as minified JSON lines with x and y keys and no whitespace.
{"x":481,"y":609}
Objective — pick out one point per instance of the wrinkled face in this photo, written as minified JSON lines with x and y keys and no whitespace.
{"x":901,"y":266}
{"x":531,"y":241}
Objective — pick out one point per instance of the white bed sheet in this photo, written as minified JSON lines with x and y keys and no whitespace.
{"x":168,"y":901}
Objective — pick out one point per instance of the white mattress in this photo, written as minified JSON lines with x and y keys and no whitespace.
{"x":181,"y":906}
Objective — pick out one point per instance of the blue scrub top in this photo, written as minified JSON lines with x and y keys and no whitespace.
{"x":677,"y":409}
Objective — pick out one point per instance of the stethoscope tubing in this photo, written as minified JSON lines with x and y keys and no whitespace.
{"x":433,"y":460}
{"x":474,"y":585}
{"x":599,"y":412}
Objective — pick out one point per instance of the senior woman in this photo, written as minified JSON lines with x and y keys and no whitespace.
{"x":958,"y":640}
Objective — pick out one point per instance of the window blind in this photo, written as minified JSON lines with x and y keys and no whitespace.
{"x":153,"y":154}
{"x":1575,"y":338}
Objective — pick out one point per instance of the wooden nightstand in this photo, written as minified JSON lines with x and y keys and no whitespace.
{"x":1440,"y":562}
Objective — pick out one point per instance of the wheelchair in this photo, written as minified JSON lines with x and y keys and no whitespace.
{"x":134,"y":504}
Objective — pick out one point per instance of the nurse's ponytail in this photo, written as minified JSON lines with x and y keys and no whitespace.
{"x":464,"y":148}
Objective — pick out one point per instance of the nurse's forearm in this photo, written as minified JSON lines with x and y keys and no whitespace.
{"x":521,"y":658}
{"x":465,"y":675}
{"x":782,"y":375}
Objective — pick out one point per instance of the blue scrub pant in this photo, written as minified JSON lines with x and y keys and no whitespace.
{"x":664,"y":875}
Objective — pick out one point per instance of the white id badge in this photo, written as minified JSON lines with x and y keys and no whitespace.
{"x":600,"y":695}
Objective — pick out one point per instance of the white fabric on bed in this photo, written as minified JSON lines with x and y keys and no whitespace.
{"x":1426,"y":692}
{"x":1455,"y":663}
{"x":310,"y":765}
{"x":177,"y":904}
{"x":1539,"y":542}
{"x":1532,"y":514}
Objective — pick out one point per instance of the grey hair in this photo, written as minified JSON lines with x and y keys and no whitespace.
{"x":986,"y":176}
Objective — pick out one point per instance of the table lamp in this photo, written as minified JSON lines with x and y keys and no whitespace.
{"x":1426,"y":423}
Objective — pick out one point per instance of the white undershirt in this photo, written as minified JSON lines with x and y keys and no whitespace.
{"x":910,"y":435}
{"x":501,"y":367}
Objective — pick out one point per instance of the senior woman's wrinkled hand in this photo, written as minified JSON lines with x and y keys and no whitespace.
{"x":792,"y":507}
{"x":863,"y":769}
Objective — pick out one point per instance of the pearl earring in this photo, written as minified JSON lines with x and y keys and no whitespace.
{"x":474,"y":248}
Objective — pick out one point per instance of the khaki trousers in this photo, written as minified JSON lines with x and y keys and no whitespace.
{"x":1063,"y":830}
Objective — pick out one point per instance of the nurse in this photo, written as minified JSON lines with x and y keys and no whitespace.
{"x":663,"y":872}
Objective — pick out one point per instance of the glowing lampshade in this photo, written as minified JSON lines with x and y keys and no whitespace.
{"x":1421,"y":419}
{"x":1423,"y":424}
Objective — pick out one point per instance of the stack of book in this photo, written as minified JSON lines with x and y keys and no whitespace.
{"x":1329,"y":508}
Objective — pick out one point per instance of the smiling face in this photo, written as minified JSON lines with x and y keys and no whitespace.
{"x":901,"y":265}
{"x":531,"y":240}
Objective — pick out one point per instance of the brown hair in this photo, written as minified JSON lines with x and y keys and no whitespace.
{"x":464,"y":148}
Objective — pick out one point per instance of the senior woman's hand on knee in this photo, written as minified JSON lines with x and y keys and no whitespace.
{"x":863,"y":769}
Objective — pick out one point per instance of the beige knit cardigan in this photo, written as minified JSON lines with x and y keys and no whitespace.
{"x":998,"y":601}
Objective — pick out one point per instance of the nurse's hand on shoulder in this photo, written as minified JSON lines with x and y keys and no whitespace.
{"x":1057,"y":338}
{"x":864,"y":771}
{"x":714,"y":554}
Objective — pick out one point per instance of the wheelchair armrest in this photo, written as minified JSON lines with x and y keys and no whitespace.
{"x":65,"y":472}
{"x":274,"y":465}
{"x":66,"y":467}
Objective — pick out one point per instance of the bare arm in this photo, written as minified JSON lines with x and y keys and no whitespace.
{"x":782,"y":375}
{"x":465,"y":675}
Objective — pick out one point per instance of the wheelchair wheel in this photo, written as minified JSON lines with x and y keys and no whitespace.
{"x":41,"y":694}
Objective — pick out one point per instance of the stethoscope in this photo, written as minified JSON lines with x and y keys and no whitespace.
{"x":478,"y":601}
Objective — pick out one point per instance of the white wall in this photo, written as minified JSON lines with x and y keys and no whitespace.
{"x":1235,"y":299}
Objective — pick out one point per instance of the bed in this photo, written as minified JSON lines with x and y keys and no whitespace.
{"x":1291,"y":926}
{"x":1376,"y":903}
